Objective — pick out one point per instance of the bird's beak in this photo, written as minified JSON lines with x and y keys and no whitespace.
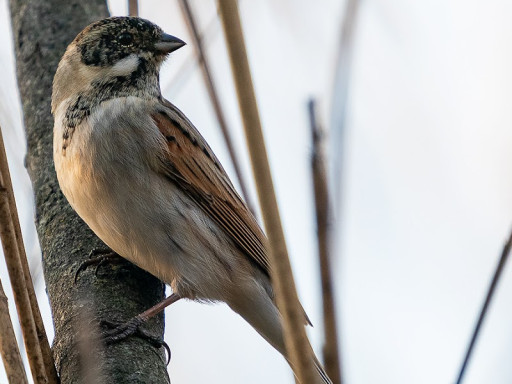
{"x":168,"y":44}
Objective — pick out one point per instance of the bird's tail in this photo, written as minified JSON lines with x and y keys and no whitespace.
{"x":260,"y":311}
{"x":321,"y":376}
{"x":321,"y":371}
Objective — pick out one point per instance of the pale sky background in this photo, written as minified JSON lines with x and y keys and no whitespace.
{"x":426,"y":203}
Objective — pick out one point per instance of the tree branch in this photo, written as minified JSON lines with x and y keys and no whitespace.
{"x":42,"y":30}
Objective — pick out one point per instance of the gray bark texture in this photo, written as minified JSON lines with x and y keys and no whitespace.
{"x":42,"y":29}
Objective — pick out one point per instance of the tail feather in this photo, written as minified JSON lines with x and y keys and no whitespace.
{"x":258,"y":309}
{"x":321,"y":372}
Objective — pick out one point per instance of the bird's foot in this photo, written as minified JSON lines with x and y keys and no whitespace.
{"x":99,"y":257}
{"x":116,"y":332}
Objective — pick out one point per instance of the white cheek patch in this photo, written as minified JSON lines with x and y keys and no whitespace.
{"x":125,"y":66}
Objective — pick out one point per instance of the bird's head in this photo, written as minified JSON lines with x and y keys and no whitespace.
{"x":118,"y":41}
{"x":114,"y":55}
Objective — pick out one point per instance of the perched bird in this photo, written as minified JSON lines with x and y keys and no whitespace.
{"x":147,"y":183}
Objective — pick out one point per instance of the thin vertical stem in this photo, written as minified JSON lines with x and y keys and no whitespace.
{"x":214,"y":97}
{"x":332,"y":362}
{"x":21,"y":299}
{"x":133,"y":8}
{"x":341,"y":89}
{"x":49,"y":363}
{"x":297,"y":345}
{"x":44,"y":345}
{"x":9,"y":350}
{"x":483,"y":312}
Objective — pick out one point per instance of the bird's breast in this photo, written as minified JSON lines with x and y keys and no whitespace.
{"x":109,"y":174}
{"x":106,"y":174}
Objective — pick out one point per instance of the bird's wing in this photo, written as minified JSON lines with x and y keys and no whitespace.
{"x":192,"y":166}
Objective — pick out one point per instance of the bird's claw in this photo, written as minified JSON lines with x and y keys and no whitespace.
{"x":99,"y":257}
{"x":115,"y":332}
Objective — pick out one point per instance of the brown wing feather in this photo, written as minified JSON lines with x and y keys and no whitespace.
{"x":191,"y":164}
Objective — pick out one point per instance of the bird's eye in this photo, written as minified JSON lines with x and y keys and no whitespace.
{"x":125,"y":38}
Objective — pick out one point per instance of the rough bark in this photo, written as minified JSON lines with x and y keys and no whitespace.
{"x":42,"y":29}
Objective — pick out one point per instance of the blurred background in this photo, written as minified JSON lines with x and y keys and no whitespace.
{"x":419,"y":121}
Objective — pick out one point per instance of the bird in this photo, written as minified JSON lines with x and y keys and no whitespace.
{"x":142,"y":177}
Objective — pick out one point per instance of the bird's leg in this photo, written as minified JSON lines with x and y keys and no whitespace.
{"x":99,"y":257}
{"x":132,"y":326}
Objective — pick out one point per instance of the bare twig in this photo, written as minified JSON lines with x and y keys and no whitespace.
{"x":188,"y":66}
{"x":322,"y":207}
{"x":133,"y":8}
{"x":21,"y":298}
{"x":297,"y":345}
{"x":8,"y":346}
{"x":490,"y":292}
{"x":49,"y":363}
{"x":44,"y":345}
{"x":341,"y":85}
{"x":214,"y":97}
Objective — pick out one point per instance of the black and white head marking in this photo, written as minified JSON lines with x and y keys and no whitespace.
{"x":124,"y":52}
